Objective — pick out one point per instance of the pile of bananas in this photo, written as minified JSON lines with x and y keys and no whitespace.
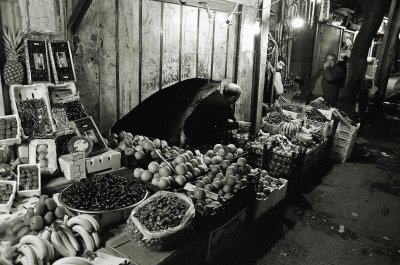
{"x":304,"y":135}
{"x":290,"y":128}
{"x":60,"y":239}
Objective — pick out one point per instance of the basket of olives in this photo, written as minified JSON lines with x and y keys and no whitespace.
{"x":103,"y":193}
{"x":161,"y":221}
{"x":7,"y":195}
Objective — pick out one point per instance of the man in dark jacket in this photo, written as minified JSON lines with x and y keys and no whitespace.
{"x":211,"y":121}
{"x":332,"y":77}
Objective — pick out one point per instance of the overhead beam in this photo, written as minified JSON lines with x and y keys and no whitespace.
{"x":218,"y":5}
{"x":78,"y":14}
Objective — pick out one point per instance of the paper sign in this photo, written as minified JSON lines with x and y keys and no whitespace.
{"x":209,"y":194}
{"x":78,"y":158}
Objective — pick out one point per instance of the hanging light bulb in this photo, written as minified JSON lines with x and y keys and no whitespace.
{"x":297,"y":23}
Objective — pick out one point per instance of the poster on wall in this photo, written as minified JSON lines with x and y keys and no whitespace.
{"x":62,"y":62}
{"x":37,"y":61}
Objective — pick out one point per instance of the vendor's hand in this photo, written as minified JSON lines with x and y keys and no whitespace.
{"x":326,"y":64}
{"x":244,"y":125}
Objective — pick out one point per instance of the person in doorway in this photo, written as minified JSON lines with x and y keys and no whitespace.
{"x":326,"y":82}
{"x":213,"y":119}
{"x":276,"y":76}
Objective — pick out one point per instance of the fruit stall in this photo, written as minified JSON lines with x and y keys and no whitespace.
{"x":71,"y":195}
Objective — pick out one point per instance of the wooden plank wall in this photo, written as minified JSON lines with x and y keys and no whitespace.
{"x":130,"y":49}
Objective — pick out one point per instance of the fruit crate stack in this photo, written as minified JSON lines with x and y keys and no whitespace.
{"x":343,"y":142}
{"x":314,"y":155}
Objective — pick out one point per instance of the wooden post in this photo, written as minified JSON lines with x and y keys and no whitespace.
{"x":259,"y":68}
{"x":385,"y":58}
{"x":2,"y":109}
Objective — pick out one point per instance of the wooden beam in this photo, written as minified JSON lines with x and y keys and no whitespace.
{"x":77,"y":15}
{"x":218,"y":5}
{"x":259,"y":67}
{"x":387,"y":54}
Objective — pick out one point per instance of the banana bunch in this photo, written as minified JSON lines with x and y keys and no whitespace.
{"x":304,"y":135}
{"x":87,"y":228}
{"x":73,"y":260}
{"x":34,"y":250}
{"x":290,"y":128}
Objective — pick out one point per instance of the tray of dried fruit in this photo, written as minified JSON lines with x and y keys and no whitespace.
{"x":31,"y":103}
{"x":28,"y":180}
{"x":7,"y":195}
{"x":103,"y":193}
{"x":10,"y":130}
{"x":43,"y":152}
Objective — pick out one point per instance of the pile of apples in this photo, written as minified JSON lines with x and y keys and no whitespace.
{"x":225,"y":152}
{"x":187,"y":168}
{"x":141,"y":147}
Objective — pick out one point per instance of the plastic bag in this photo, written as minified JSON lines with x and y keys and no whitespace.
{"x":162,"y":239}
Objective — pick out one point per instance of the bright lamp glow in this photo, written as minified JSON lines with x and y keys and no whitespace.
{"x":319,"y":1}
{"x":297,"y":23}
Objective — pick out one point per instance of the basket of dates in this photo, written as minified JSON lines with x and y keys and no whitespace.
{"x":29,"y":180}
{"x":161,"y":221}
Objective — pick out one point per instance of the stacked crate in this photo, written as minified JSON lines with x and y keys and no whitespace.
{"x":343,"y":142}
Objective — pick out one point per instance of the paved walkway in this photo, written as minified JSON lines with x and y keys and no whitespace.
{"x":345,"y":214}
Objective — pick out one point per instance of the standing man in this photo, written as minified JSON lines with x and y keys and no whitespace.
{"x":213,"y":119}
{"x":333,"y":79}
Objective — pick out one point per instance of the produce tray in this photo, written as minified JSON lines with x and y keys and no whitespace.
{"x":17,"y":139}
{"x":294,"y":115}
{"x":26,"y":92}
{"x":29,"y":193}
{"x":277,"y":195}
{"x":6,"y":208}
{"x":51,"y":155}
{"x":326,"y":127}
{"x":243,"y":198}
{"x":58,"y":91}
{"x":257,"y":155}
{"x":271,"y":128}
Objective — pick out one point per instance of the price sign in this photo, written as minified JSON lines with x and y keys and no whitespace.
{"x":78,"y":158}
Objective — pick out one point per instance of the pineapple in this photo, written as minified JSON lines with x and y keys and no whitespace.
{"x":13,"y":69}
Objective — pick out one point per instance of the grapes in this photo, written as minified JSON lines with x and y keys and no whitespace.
{"x":108,"y":192}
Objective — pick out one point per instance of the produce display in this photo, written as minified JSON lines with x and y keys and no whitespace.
{"x":28,"y":178}
{"x":140,"y":147}
{"x":6,"y":190}
{"x":290,"y":128}
{"x":220,"y":152}
{"x":267,"y":185}
{"x":290,"y":106}
{"x":35,"y":120}
{"x":276,"y":118}
{"x":108,"y":192}
{"x":45,"y":213}
{"x":41,"y":155}
{"x":314,"y":114}
{"x":8,"y":128}
{"x":160,"y":221}
{"x":320,"y":103}
{"x":184,"y":168}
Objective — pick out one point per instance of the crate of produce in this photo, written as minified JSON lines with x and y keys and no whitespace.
{"x":31,"y":104}
{"x":270,"y":191}
{"x":282,"y":164}
{"x":57,"y":92}
{"x":161,"y":221}
{"x":314,"y":155}
{"x":326,"y":128}
{"x":294,"y":115}
{"x":28,"y":180}
{"x":7,"y":195}
{"x":43,"y":152}
{"x":343,"y":142}
{"x":10,"y":130}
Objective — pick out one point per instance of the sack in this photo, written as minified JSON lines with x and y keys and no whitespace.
{"x":162,"y":239}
